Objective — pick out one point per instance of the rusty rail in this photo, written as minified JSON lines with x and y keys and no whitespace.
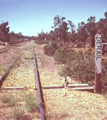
{"x":3,"y":50}
{"x":3,"y":77}
{"x":39,"y":89}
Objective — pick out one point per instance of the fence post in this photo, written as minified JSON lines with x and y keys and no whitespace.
{"x":98,"y":63}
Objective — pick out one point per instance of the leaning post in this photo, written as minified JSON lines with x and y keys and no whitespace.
{"x":98,"y":63}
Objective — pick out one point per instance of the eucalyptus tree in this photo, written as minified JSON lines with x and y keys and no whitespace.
{"x":72,"y":34}
{"x":102,"y":27}
{"x":91,"y":29}
{"x":82,"y":35}
{"x":4,"y":32}
{"x":61,"y":27}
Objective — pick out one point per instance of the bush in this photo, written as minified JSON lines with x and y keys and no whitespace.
{"x":50,"y":48}
{"x":64,"y":54}
{"x":40,"y":42}
{"x":104,"y":71}
{"x":81,"y":68}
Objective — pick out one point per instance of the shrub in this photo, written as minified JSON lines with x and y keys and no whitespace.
{"x":48,"y":50}
{"x":32,"y":103}
{"x":104,"y":71}
{"x":40,"y":42}
{"x":64,"y":54}
{"x":82,"y":68}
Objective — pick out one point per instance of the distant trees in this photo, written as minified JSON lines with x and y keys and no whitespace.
{"x":72,"y":34}
{"x":102,"y":27}
{"x":41,"y":36}
{"x":81,"y":32}
{"x":65,"y":31}
{"x":4,"y":32}
{"x":91,"y":28}
{"x":61,"y":28}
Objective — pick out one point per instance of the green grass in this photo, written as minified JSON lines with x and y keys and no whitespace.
{"x":9,"y":99}
{"x":3,"y":69}
{"x":17,"y":112}
{"x":32,"y":103}
{"x":63,"y":114}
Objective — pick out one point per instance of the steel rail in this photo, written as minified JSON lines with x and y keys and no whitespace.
{"x":4,"y":48}
{"x":3,"y":77}
{"x":39,"y":89}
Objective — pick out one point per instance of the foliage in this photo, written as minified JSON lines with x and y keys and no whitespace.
{"x":81,"y":68}
{"x":63,"y":54}
{"x":32,"y":103}
{"x":17,"y":112}
{"x":40,"y":42}
{"x":9,"y":99}
{"x":104,"y":71}
{"x":102,"y":27}
{"x":4,"y":32}
{"x":41,"y":36}
{"x":61,"y":27}
{"x":50,"y":48}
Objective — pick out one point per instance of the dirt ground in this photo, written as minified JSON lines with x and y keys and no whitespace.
{"x":7,"y":56}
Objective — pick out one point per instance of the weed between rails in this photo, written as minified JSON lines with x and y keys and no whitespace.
{"x":32,"y":103}
{"x":9,"y":99}
{"x":17,"y":112}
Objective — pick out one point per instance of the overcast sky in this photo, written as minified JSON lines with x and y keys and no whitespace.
{"x":32,"y":16}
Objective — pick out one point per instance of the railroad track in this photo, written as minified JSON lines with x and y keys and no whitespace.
{"x":39,"y":88}
{"x":82,"y":87}
{"x":4,"y":49}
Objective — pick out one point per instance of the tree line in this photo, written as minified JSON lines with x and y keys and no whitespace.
{"x":11,"y":37}
{"x":65,"y":31}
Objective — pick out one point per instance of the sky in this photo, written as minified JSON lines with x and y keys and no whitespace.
{"x":30,"y":17}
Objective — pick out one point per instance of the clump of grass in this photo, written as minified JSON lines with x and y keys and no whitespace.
{"x":17,"y":112}
{"x":63,"y":114}
{"x":9,"y":99}
{"x":16,"y":51}
{"x":14,"y":57}
{"x":3,"y":68}
{"x":32,"y":103}
{"x":18,"y":63}
{"x":26,"y":58}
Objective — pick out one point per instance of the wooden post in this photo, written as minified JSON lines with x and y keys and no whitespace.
{"x":98,"y":63}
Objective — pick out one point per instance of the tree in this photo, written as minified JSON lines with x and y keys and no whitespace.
{"x":4,"y":32}
{"x":102,"y":27}
{"x":61,"y":27}
{"x":82,"y":35}
{"x":72,"y":35}
{"x":105,"y":14}
{"x":91,"y":29}
{"x":41,"y":36}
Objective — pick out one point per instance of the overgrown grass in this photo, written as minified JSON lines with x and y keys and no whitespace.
{"x":3,"y":69}
{"x":32,"y":102}
{"x":9,"y":99}
{"x":17,"y":112}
